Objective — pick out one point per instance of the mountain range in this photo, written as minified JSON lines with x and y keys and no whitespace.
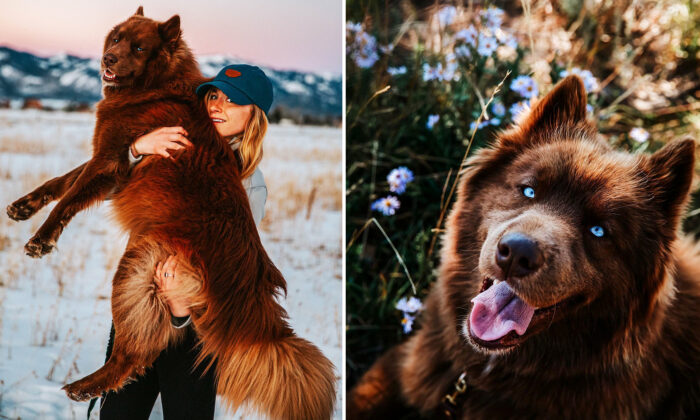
{"x":63,"y":79}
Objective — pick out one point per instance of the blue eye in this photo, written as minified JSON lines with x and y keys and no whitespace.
{"x":139,"y":49}
{"x":529,"y":192}
{"x":598,"y":231}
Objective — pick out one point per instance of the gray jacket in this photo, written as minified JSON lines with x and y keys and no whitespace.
{"x":254,"y":186}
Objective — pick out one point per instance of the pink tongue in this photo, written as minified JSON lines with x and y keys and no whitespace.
{"x":497,"y":311}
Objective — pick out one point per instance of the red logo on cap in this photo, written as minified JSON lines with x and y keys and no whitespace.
{"x":232,"y":73}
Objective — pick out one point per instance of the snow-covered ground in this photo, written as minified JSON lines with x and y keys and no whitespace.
{"x":55,"y":312}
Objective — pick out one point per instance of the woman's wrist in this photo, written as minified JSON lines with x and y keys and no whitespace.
{"x":179,"y":311}
{"x":178,"y":308}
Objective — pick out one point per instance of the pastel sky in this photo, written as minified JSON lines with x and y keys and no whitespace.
{"x":282,"y":34}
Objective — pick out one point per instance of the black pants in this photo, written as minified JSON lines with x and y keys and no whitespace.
{"x":185,"y":393}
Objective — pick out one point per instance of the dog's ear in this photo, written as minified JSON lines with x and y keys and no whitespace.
{"x":562,"y":109}
{"x":170,"y":30}
{"x":139,"y":11}
{"x":564,"y":105}
{"x":670,"y":174}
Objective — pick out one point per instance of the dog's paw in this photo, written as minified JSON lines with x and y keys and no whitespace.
{"x":27,"y":206}
{"x":38,"y":247}
{"x":21,"y":209}
{"x":75,"y":392}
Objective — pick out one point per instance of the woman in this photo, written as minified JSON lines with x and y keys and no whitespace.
{"x":238,"y":101}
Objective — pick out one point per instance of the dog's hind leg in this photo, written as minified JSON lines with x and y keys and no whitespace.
{"x":53,"y":189}
{"x":123,"y":365}
{"x":141,"y":323}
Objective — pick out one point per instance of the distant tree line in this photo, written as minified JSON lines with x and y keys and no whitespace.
{"x":280,"y":114}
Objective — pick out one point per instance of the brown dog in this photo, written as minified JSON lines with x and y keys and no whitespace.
{"x":195,"y":206}
{"x":564,"y":290}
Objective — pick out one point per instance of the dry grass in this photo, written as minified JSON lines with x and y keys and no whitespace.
{"x":288,"y":197}
{"x":638,"y":49}
{"x":64,"y":320}
{"x":303,"y":175}
{"x":23,"y":145}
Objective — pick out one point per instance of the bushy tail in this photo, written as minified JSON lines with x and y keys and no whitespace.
{"x":287,"y":379}
{"x":260,"y":363}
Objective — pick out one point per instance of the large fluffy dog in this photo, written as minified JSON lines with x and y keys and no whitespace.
{"x":564,"y":290}
{"x":193,"y":205}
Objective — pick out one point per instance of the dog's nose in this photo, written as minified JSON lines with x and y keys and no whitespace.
{"x":109,"y":59}
{"x":518,"y":255}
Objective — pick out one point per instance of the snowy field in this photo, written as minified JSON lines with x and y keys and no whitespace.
{"x":55,"y":312}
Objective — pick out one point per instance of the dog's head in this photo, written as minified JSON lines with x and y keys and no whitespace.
{"x":555,"y":235}
{"x":139,"y":48}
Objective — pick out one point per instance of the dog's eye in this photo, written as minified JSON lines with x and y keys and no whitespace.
{"x":139,"y":49}
{"x":115,"y":40}
{"x":598,"y":231}
{"x":529,"y":192}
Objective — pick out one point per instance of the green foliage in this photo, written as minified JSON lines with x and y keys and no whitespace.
{"x":388,"y":130}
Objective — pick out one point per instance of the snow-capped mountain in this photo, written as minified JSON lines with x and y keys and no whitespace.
{"x":68,"y":79}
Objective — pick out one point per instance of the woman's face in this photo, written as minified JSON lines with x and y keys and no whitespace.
{"x":229,"y":118}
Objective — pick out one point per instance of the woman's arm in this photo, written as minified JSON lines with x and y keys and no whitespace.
{"x":257,"y":195}
{"x":158,"y":142}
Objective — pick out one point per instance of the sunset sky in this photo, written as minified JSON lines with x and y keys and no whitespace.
{"x":282,"y":34}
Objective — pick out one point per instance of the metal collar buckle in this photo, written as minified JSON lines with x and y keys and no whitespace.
{"x":449,"y":401}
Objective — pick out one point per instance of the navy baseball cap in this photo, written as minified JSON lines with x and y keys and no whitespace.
{"x":243,"y":84}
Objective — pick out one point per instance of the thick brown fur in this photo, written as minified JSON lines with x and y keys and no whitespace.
{"x":617,"y":333}
{"x":192,"y":205}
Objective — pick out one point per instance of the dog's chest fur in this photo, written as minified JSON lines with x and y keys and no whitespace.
{"x":641,"y":377}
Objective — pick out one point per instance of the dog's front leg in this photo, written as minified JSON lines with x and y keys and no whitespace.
{"x":96,"y":180}
{"x":53,"y":189}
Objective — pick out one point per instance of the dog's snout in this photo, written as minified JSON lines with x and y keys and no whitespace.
{"x":518,"y":255}
{"x":109,"y":59}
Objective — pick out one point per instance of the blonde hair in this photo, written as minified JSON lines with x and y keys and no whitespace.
{"x":251,"y":151}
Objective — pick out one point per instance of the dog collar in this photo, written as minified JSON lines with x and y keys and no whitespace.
{"x":452,"y":400}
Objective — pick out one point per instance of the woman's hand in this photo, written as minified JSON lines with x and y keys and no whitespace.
{"x":158,"y":141}
{"x":168,"y":279}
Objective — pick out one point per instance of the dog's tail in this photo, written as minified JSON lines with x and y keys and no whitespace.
{"x":261,"y":364}
{"x":286,"y":379}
